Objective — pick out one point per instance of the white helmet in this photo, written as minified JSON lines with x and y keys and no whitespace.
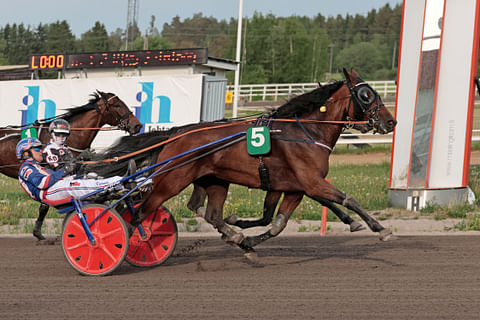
{"x":59,"y":130}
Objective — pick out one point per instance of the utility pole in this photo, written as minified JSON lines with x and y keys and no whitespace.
{"x":237,"y":70}
{"x":132,"y":18}
{"x":394,"y":54}
{"x":331,"y":45}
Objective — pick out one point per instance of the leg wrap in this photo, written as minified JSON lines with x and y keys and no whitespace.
{"x":201,"y":211}
{"x":278,"y":225}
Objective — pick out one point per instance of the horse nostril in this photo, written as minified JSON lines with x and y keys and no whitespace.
{"x":392,"y":123}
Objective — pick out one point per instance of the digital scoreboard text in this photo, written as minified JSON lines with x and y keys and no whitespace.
{"x":119,"y":59}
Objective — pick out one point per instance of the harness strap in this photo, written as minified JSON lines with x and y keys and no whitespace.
{"x":76,"y":150}
{"x":264,"y":175}
{"x":305,"y":141}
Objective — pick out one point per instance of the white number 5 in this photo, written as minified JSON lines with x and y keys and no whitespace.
{"x":258,"y":139}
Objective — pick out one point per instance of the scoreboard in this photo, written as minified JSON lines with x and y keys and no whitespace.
{"x":118,"y":59}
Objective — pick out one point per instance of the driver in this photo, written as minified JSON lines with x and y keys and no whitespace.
{"x":55,"y":187}
{"x":56,"y":153}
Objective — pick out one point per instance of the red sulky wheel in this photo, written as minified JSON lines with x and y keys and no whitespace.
{"x":111,"y":236}
{"x":160,"y":240}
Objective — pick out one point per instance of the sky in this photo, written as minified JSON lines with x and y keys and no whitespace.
{"x":82,"y":15}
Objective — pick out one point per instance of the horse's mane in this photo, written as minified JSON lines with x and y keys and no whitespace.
{"x":307,"y":102}
{"x":72,"y":112}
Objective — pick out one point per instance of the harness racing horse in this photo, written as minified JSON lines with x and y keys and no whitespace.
{"x":196,"y":203}
{"x":103,"y":108}
{"x":304,"y":134}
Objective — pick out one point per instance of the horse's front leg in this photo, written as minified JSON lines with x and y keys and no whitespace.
{"x":345,"y":218}
{"x":269,"y":206}
{"x":324,"y":190}
{"x":289,"y":203}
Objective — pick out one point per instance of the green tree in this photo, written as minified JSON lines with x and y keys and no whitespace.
{"x":363,"y":57}
{"x":3,"y":46}
{"x":40,"y":34}
{"x":116,"y":40}
{"x":154,"y":43}
{"x":60,"y":38}
{"x":95,"y":39}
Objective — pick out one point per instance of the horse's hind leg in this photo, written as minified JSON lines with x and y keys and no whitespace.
{"x":217,"y":194}
{"x":289,"y":203}
{"x":269,"y":206}
{"x":42,"y":212}
{"x":197,"y":200}
{"x":345,"y":218}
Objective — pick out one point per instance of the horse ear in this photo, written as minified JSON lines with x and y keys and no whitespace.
{"x":354,"y":73}
{"x":101,"y":93}
{"x":347,"y":76}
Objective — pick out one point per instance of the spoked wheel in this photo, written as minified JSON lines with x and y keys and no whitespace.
{"x":111,"y":241}
{"x":158,"y":242}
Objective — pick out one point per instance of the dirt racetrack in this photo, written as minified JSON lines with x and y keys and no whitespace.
{"x":298,"y":277}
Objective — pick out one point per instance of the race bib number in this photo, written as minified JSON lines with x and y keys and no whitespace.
{"x":51,"y":158}
{"x":29,"y":133}
{"x":258,"y":141}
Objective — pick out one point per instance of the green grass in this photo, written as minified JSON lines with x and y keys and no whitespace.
{"x":15,"y":204}
{"x":368,"y":184}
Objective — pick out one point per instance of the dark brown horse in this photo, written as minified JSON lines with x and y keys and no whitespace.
{"x":196,"y":203}
{"x":298,"y":163}
{"x":103,"y":108}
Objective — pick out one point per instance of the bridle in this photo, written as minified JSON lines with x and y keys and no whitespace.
{"x":123,"y":121}
{"x":363,"y":97}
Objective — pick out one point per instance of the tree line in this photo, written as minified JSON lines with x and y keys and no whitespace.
{"x":274,"y":49}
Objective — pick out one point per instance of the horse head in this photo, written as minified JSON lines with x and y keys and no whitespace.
{"x":117,"y":113}
{"x":367,"y":106}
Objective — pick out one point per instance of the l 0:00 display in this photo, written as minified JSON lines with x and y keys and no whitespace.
{"x":45,"y":62}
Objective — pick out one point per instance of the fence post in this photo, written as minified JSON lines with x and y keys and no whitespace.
{"x":323,"y":224}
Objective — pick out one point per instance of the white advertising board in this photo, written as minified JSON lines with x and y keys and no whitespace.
{"x":452,"y":132}
{"x":158,"y":102}
{"x":409,"y":63}
{"x":435,"y":100}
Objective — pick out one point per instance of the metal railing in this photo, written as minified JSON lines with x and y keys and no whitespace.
{"x":370,"y":138}
{"x":263,"y":92}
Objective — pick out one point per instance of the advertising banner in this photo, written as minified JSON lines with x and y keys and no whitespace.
{"x":158,"y":102}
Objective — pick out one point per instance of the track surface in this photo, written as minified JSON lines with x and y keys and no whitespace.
{"x":298,"y":277}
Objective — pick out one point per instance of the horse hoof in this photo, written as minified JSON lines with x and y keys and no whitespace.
{"x":38,"y":234}
{"x":356,"y":226}
{"x":237,"y":238}
{"x":231,"y":220}
{"x":386,"y":234}
{"x":252,"y":257}
{"x":201,"y":212}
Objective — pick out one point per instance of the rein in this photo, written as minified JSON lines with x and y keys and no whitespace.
{"x":126,"y":156}
{"x":112,"y":128}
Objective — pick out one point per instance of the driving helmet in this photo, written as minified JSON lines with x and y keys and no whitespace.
{"x":59,"y":130}
{"x":25,"y":145}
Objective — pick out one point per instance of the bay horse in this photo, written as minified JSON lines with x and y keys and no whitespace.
{"x":196,"y":202}
{"x":103,"y":108}
{"x":298,"y":162}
